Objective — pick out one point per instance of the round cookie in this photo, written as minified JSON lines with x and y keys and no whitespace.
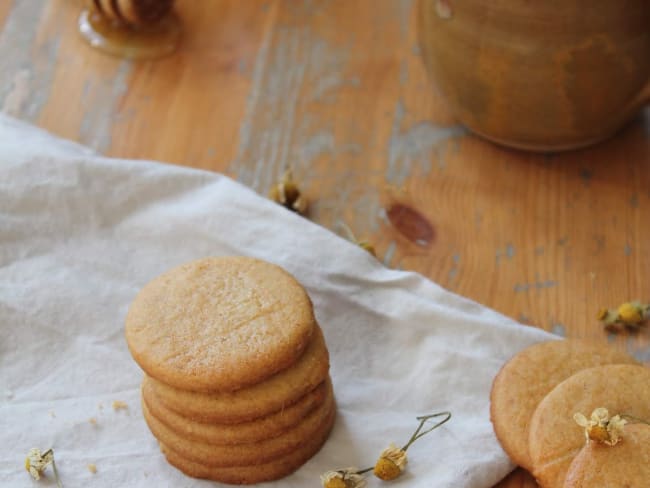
{"x":255,"y":473}
{"x":245,"y":432}
{"x":243,"y":454}
{"x":283,"y":388}
{"x":625,"y":465}
{"x":526,"y":379}
{"x":219,"y":324}
{"x":555,"y":438}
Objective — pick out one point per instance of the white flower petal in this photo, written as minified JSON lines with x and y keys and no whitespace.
{"x":600,"y":415}
{"x":581,"y":420}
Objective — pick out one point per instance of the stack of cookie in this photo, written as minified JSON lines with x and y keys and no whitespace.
{"x":536,"y":395}
{"x":236,"y":386}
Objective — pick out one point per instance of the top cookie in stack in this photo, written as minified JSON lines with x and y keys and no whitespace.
{"x":236,"y":384}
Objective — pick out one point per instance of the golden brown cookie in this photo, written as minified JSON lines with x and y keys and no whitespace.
{"x":245,"y":432}
{"x":243,"y":454}
{"x":625,"y":465}
{"x":273,"y":469}
{"x":219,"y":324}
{"x":555,"y":438}
{"x":281,"y":389}
{"x":526,"y":379}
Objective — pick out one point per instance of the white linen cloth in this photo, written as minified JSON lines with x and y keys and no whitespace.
{"x":81,"y":234}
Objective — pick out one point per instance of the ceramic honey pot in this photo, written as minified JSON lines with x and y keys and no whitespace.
{"x":542,"y":76}
{"x":133,"y":29}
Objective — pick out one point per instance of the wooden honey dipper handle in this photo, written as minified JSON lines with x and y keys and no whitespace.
{"x":132,"y":12}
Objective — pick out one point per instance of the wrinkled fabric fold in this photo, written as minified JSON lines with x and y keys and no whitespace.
{"x":80,"y":234}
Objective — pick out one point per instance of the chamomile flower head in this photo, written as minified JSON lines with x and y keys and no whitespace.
{"x":343,"y":478}
{"x":600,"y":427}
{"x":392,"y":461}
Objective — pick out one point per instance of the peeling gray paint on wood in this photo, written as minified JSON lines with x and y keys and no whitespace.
{"x":297,"y":71}
{"x":325,"y":90}
{"x":627,"y":250}
{"x":536,"y":285}
{"x":26,"y":68}
{"x":99,"y":117}
{"x":558,"y":329}
{"x":405,"y":11}
{"x":267,"y":130}
{"x":414,"y":146}
{"x":508,"y":252}
{"x":293,"y":66}
{"x":640,"y":353}
{"x":390,"y":252}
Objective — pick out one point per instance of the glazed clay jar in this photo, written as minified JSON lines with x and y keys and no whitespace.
{"x":539,"y":75}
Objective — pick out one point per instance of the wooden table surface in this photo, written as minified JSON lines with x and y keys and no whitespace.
{"x":335,"y":90}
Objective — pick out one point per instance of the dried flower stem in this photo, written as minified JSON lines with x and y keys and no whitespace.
{"x":56,"y":474}
{"x":364,"y":244}
{"x":37,"y":462}
{"x":419,"y":432}
{"x":54,"y":470}
{"x":390,"y":464}
{"x":633,"y":419}
{"x":423,"y":419}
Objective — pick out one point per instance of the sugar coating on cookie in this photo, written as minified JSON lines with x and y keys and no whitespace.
{"x":555,"y":438}
{"x":219,"y":324}
{"x":255,"y":401}
{"x":624,"y":465}
{"x":526,"y":379}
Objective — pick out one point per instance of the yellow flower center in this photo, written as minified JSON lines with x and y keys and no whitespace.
{"x":386,"y":469}
{"x":630,"y":313}
{"x":598,"y":433}
{"x":336,"y":483}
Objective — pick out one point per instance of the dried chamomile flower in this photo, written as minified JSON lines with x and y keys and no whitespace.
{"x":362,"y":243}
{"x":287,"y":194}
{"x":601,"y":427}
{"x":368,"y":247}
{"x":392,"y":461}
{"x":37,"y":462}
{"x":603,"y":314}
{"x":629,"y":314}
{"x":343,"y":478}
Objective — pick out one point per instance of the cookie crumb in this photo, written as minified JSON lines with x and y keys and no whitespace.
{"x":92,"y":468}
{"x":92,"y":420}
{"x":119,"y":405}
{"x":52,"y":414}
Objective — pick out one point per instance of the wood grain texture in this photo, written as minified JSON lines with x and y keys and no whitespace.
{"x":336,"y":91}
